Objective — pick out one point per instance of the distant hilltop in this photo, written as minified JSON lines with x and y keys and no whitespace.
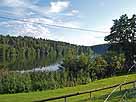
{"x":100,"y":49}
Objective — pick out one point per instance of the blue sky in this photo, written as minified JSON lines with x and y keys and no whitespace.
{"x":88,"y":14}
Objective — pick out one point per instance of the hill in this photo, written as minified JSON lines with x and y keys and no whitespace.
{"x":23,"y":53}
{"x":100,"y":49}
{"x":23,"y":46}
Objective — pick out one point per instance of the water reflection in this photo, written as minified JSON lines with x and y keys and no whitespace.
{"x":19,"y":63}
{"x":53,"y":67}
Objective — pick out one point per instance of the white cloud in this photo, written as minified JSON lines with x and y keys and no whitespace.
{"x":75,"y":11}
{"x":15,"y":6}
{"x":29,"y":8}
{"x":39,"y":20}
{"x":13,"y":3}
{"x":37,"y":31}
{"x":59,"y":6}
{"x":22,"y":8}
{"x":87,"y":39}
{"x":72,"y":24}
{"x":28,"y":29}
{"x":72,"y":13}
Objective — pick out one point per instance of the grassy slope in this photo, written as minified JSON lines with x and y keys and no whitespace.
{"x":96,"y":97}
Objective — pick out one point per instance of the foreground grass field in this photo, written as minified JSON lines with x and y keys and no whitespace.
{"x":130,"y":96}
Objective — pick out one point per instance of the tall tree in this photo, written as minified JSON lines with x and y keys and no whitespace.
{"x":123,"y":35}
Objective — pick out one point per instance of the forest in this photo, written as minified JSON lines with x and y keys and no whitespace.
{"x":27,"y":52}
{"x":79,"y":64}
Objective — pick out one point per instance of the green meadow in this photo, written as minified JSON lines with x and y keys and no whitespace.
{"x":123,"y":96}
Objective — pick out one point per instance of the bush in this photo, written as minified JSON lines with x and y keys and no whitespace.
{"x":13,"y":82}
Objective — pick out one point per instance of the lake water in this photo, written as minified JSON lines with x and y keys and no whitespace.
{"x":23,"y":64}
{"x":53,"y":67}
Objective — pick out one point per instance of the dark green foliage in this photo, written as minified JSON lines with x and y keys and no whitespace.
{"x":16,"y":52}
{"x":15,"y":82}
{"x":76,"y":73}
{"x":107,"y":65}
{"x":115,"y":62}
{"x":28,"y":46}
{"x":21,"y":52}
{"x":12,"y":82}
{"x":98,"y":68}
{"x":78,"y":66}
{"x":74,"y":70}
{"x":123,"y":38}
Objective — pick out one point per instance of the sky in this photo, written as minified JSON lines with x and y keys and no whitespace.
{"x":86,"y":14}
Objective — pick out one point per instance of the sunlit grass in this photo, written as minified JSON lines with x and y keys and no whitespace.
{"x":96,"y":97}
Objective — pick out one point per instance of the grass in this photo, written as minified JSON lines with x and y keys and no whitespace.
{"x":130,"y":95}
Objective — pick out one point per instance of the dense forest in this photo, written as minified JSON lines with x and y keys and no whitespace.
{"x":27,"y":46}
{"x":22,"y":52}
{"x":79,"y":65}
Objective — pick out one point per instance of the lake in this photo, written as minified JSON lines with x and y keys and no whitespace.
{"x":25,"y":64}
